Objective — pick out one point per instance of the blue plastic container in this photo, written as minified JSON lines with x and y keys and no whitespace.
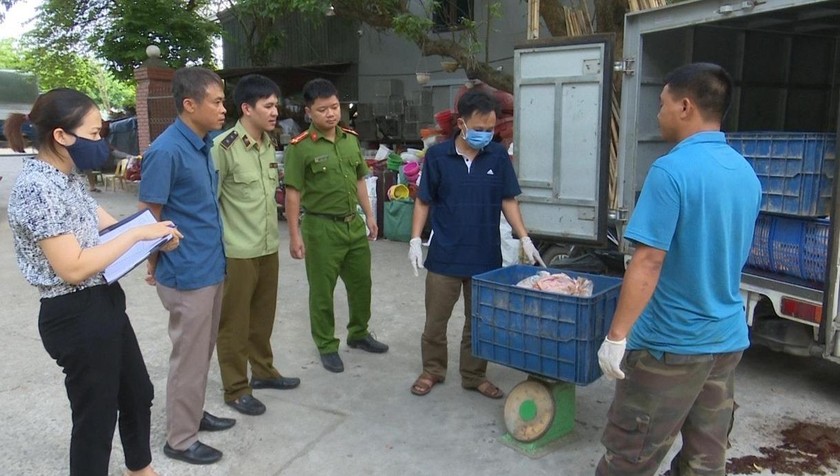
{"x":796,"y":169}
{"x":796,"y":247}
{"x":546,"y":334}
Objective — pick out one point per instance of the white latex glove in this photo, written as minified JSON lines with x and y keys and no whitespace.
{"x":415,"y":254}
{"x":609,"y":358}
{"x":530,"y":251}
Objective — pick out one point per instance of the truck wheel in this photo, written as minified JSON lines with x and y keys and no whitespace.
{"x":573,"y":258}
{"x":556,"y":253}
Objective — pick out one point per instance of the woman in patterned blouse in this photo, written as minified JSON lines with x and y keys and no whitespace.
{"x":82,"y":321}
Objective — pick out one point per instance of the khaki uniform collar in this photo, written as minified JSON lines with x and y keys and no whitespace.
{"x":249,"y":141}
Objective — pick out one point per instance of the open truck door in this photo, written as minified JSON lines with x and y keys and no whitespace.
{"x":783,"y":56}
{"x":562,"y":90}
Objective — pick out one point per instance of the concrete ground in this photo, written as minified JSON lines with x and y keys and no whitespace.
{"x":361,"y":422}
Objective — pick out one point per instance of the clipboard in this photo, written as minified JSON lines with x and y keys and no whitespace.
{"x":138,"y":252}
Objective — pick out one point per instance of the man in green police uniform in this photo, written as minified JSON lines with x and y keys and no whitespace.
{"x":247,"y":170}
{"x":325,"y":174}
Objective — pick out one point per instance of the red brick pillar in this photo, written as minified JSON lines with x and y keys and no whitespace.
{"x":155,"y":105}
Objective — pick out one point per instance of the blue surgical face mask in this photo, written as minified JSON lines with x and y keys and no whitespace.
{"x":88,"y":154}
{"x":477,"y":139}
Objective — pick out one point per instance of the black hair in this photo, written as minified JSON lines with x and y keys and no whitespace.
{"x":61,"y":108}
{"x":478,"y":101}
{"x":707,"y":84}
{"x":252,"y":88}
{"x":318,"y":88}
{"x":192,"y":82}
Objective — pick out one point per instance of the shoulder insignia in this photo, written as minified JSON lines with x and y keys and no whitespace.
{"x":350,"y":131}
{"x":229,"y":139}
{"x":299,"y":137}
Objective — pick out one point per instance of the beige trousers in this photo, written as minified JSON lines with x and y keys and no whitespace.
{"x":193,"y":328}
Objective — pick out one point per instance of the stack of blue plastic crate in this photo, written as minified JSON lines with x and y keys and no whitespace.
{"x":796,"y":171}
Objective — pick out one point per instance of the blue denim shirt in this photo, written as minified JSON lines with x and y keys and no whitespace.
{"x":179,"y":174}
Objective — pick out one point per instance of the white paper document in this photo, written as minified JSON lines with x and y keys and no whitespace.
{"x":138,"y":252}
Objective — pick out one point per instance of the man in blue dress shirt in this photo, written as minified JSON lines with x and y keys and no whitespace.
{"x":179,"y":184}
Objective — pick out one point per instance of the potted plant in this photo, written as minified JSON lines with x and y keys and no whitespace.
{"x":449,"y":65}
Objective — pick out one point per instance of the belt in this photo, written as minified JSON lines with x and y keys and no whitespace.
{"x":341,"y":218}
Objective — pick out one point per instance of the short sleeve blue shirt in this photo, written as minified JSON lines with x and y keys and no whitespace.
{"x":465,"y":205}
{"x":179,"y":174}
{"x":699,"y":203}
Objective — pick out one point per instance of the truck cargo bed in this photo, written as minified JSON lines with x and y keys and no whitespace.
{"x":782,"y":284}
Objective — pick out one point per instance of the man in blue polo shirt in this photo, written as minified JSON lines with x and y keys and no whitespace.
{"x":466,"y":183}
{"x":680,"y":313}
{"x":179,"y":183}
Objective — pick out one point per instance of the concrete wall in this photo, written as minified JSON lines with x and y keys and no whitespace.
{"x":387,"y":56}
{"x":327,"y":41}
{"x":378,"y":56}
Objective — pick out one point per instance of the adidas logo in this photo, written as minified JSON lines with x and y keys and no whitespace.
{"x":490,"y":172}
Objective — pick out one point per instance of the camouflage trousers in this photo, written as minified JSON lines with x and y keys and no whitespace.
{"x":688,"y":394}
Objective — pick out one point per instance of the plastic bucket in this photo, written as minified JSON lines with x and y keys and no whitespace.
{"x":411,"y":169}
{"x":398,"y":192}
{"x":444,"y":121}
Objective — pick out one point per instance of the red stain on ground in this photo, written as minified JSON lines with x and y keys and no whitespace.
{"x":806,"y":448}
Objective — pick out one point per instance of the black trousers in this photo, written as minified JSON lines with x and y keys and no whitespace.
{"x":90,"y":337}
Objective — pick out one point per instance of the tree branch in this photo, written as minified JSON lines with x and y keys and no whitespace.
{"x":554,"y":17}
{"x":430,"y":44}
{"x":609,"y":17}
{"x":475,"y":69}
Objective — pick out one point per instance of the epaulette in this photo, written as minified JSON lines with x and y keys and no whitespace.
{"x":299,"y":137}
{"x":229,"y":139}
{"x":350,"y":131}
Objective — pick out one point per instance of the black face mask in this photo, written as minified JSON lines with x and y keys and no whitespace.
{"x":88,"y":154}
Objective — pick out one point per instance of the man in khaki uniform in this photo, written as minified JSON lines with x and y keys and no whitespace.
{"x":247,"y":168}
{"x":325,"y":174}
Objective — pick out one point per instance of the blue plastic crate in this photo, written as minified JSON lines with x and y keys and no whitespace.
{"x":796,"y":169}
{"x":796,"y":247}
{"x":547,"y":334}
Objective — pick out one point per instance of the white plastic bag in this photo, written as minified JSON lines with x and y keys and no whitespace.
{"x":370,"y":182}
{"x":510,"y":245}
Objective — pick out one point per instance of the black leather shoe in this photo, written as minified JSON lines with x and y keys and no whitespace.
{"x":198,"y":453}
{"x":368,"y":344}
{"x":332,"y":362}
{"x":248,"y":405}
{"x":214,"y":423}
{"x":279,"y":383}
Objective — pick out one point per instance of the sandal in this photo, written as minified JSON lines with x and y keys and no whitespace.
{"x":424,"y":383}
{"x":489,"y":390}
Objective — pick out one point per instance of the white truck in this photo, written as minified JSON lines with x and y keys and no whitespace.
{"x":784,"y":56}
